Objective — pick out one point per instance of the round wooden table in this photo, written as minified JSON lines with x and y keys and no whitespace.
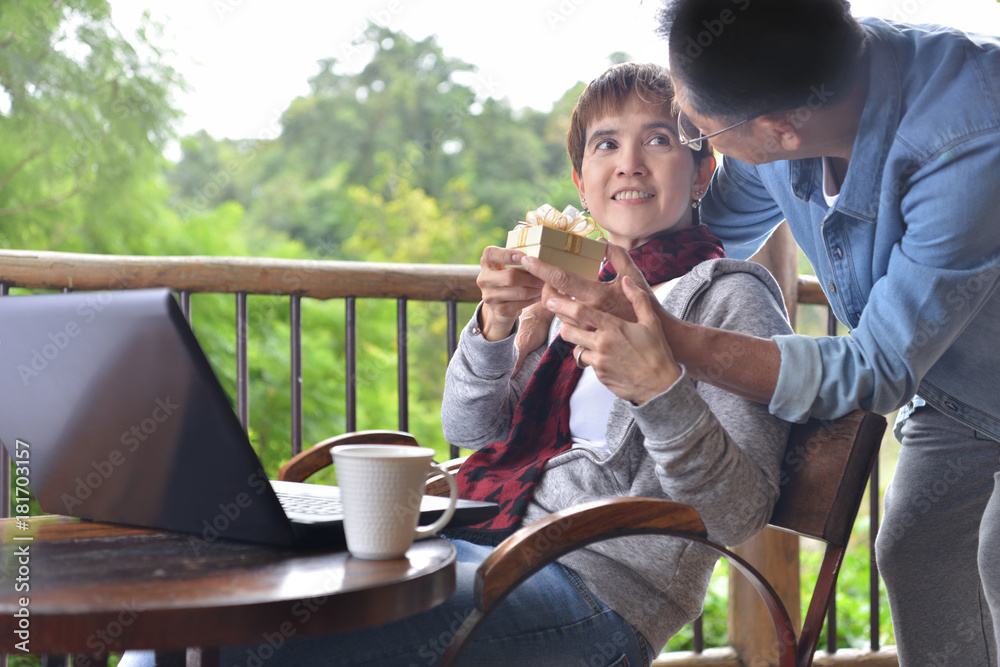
{"x":97,"y":587}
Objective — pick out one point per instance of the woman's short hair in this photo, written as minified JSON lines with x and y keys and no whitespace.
{"x":741,"y":58}
{"x":611,"y":92}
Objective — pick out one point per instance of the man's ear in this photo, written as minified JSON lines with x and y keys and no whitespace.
{"x":778,"y":126}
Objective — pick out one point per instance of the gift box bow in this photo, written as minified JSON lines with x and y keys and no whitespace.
{"x":570,"y":220}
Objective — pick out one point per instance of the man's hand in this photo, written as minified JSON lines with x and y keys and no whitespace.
{"x":631,"y":359}
{"x":506,"y":292}
{"x":754,"y":362}
{"x":607,"y":297}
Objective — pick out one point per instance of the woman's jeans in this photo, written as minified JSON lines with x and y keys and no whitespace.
{"x":550,"y":619}
{"x":939,"y":546}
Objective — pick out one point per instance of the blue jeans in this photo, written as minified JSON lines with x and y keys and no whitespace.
{"x":939,"y":546}
{"x":550,"y":619}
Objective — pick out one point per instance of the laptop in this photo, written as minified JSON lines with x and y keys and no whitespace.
{"x":124,"y":421}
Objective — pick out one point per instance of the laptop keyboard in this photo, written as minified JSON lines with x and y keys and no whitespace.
{"x":294,"y":504}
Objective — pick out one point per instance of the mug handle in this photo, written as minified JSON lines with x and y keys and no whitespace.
{"x":424,"y":531}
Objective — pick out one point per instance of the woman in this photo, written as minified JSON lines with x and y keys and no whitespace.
{"x":621,"y":427}
{"x":626,"y":427}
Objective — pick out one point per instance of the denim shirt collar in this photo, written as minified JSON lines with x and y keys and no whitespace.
{"x":861,"y":192}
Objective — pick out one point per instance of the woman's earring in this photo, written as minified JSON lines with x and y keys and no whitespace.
{"x":696,"y":199}
{"x":586,"y":209}
{"x":696,"y":207}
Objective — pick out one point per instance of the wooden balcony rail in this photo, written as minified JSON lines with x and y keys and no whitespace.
{"x":297,"y":279}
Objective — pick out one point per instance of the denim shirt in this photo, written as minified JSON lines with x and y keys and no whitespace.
{"x":909,"y":254}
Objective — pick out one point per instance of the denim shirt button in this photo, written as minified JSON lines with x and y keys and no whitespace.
{"x":950,"y":405}
{"x":832,"y":288}
{"x":838,"y":251}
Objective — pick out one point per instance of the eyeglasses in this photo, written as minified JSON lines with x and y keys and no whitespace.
{"x":692,"y":137}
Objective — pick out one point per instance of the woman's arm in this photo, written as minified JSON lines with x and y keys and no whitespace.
{"x":482,"y":389}
{"x":714,"y":450}
{"x":486,"y":376}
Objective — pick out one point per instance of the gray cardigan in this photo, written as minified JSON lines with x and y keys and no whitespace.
{"x":694,"y":443}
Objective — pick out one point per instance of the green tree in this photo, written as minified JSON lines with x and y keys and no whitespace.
{"x":411,"y":119}
{"x":405,"y":103}
{"x":84,"y":117}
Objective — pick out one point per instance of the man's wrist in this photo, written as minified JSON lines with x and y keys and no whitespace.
{"x":684,"y":338}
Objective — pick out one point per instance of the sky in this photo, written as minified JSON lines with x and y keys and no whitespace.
{"x":245,"y":60}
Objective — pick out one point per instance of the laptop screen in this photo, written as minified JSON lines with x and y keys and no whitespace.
{"x":125,"y":420}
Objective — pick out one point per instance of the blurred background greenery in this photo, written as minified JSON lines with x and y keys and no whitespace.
{"x":396,"y":163}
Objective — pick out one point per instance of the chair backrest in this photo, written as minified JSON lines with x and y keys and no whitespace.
{"x":317,"y":457}
{"x":824,"y":474}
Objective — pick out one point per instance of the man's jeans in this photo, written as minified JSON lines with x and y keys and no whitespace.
{"x":939,"y":546}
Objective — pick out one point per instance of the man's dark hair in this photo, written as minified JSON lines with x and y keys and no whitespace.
{"x":738,"y":58}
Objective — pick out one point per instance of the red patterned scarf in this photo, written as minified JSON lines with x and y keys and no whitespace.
{"x":506,"y":472}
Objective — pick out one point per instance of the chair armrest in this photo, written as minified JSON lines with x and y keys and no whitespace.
{"x":535,"y":546}
{"x":317,"y":457}
{"x":437,"y":485}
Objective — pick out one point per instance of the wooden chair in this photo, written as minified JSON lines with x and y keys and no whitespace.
{"x":436,"y":484}
{"x":317,"y":457}
{"x":824,"y":474}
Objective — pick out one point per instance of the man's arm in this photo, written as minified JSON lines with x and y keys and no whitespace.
{"x":738,"y":208}
{"x":745,"y":365}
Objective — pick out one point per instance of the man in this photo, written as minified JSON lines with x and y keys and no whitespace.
{"x":879,"y":143}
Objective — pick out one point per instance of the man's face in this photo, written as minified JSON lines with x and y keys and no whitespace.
{"x":752,"y":142}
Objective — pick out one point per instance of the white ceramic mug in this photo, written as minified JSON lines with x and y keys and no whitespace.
{"x":381,"y":487}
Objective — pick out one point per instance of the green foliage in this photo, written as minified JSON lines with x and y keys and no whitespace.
{"x":411,"y":120}
{"x":81,"y":143}
{"x":852,"y":598}
{"x":408,"y":160}
{"x":714,"y":615}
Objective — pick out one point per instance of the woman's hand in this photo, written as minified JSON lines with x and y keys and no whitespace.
{"x":532,"y":331}
{"x":506,"y":292}
{"x":632,"y":359}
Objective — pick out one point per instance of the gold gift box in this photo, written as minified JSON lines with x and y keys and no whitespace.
{"x":571,"y":252}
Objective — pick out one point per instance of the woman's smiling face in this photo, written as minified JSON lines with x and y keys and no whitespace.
{"x":637,"y":179}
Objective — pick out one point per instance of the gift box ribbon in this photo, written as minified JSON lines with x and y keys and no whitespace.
{"x":573,"y":242}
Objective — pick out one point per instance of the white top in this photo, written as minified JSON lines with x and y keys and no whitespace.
{"x":591,"y":401}
{"x":830,"y":188}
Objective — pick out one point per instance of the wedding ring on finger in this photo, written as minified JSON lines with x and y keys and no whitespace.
{"x":577,"y":354}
